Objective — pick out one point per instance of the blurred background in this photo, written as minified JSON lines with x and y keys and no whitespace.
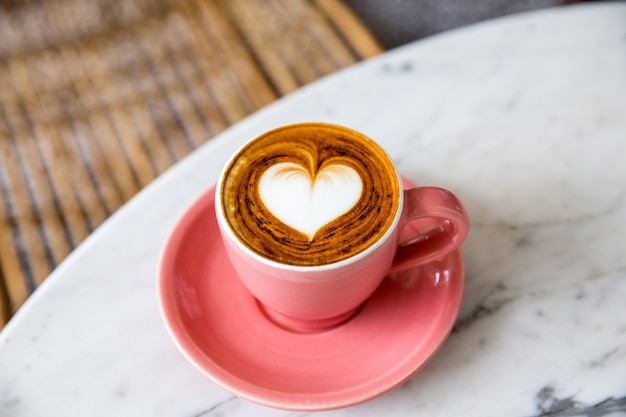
{"x":396,"y":22}
{"x":97,"y":98}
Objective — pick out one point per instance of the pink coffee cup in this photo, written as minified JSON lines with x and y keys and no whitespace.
{"x":310,"y":298}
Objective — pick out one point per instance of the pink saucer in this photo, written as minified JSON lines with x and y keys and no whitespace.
{"x":221,"y":329}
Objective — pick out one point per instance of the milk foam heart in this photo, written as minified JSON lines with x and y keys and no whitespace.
{"x":307,"y":204}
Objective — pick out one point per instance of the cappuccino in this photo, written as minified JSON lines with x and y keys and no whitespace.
{"x":310,"y":194}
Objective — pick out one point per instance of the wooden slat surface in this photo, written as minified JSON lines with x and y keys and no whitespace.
{"x":97,"y":98}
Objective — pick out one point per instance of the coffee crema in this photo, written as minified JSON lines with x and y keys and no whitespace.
{"x":330,"y":194}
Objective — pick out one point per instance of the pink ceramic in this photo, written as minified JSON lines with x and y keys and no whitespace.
{"x":222,"y":330}
{"x":309,"y":298}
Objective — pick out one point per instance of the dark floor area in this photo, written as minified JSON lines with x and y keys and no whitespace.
{"x":396,"y":22}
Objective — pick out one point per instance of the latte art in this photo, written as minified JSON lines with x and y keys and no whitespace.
{"x":310,"y":194}
{"x":304,"y":203}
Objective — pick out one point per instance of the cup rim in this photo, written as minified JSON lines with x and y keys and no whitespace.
{"x":233,"y":237}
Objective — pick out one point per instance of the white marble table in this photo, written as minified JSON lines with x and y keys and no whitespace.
{"x":523,"y":117}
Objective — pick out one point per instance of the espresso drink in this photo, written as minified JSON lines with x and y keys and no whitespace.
{"x":310,"y":194}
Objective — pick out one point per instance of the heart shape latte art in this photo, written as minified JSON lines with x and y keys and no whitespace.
{"x":307,"y":204}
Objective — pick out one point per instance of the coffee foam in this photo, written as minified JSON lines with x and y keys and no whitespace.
{"x":310,"y":194}
{"x":304,"y":202}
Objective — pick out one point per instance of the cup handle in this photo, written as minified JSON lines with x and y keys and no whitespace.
{"x":433,"y":224}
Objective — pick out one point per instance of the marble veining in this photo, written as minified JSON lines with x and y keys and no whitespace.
{"x":549,"y":406}
{"x":522,"y":117}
